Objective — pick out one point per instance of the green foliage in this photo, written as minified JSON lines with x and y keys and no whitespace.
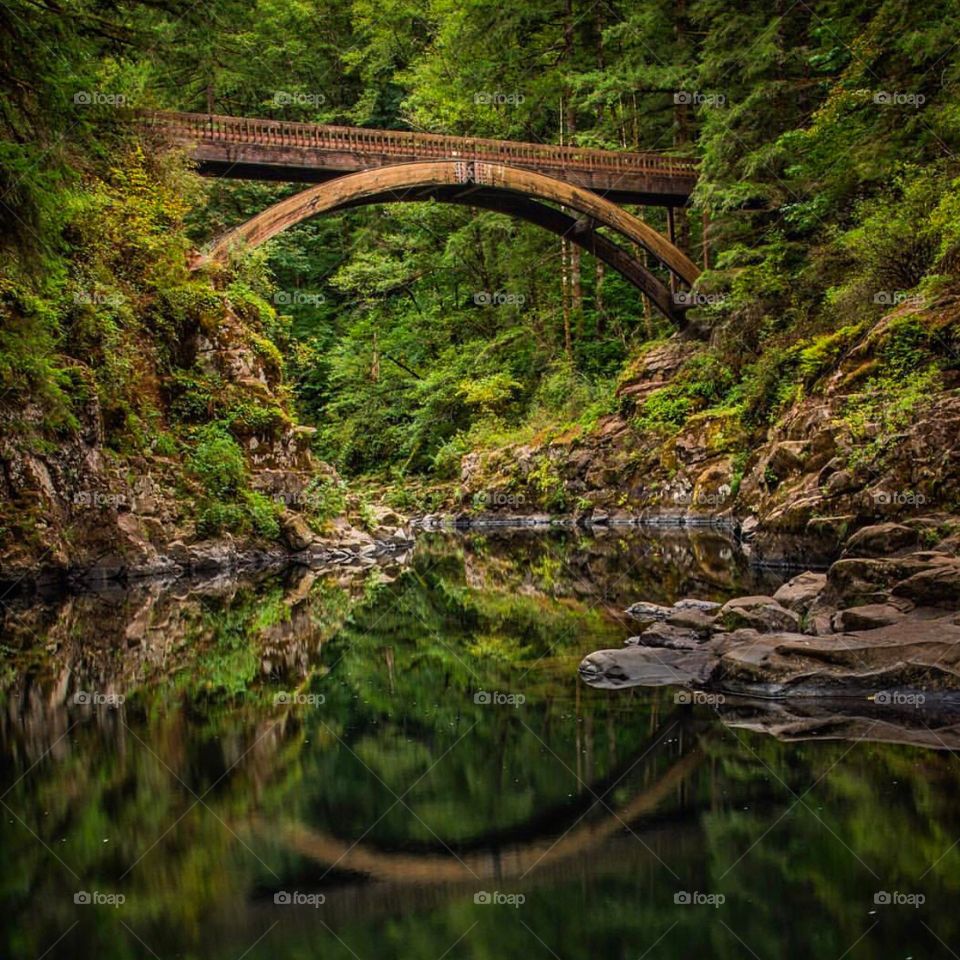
{"x":704,"y":381}
{"x":264,"y":514}
{"x":886,"y":406}
{"x":326,"y":498}
{"x":218,"y":463}
{"x":215,"y":518}
{"x":825,"y":204}
{"x":545,"y":479}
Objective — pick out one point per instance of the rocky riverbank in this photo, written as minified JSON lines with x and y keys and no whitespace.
{"x":880,"y":627}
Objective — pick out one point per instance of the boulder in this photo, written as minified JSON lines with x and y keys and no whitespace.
{"x":842,"y":481}
{"x":691,"y":603}
{"x":800,"y":592}
{"x":786,"y":458}
{"x":669,"y":637}
{"x":917,"y":654}
{"x":758,"y":613}
{"x":646,"y":666}
{"x":749,"y":528}
{"x":700,"y":623}
{"x":938,"y":585}
{"x":880,"y":540}
{"x":868,"y":617}
{"x":295,"y":532}
{"x":868,"y":580}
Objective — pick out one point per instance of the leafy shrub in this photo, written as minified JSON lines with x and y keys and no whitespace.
{"x":885,"y":408}
{"x":822,"y":353}
{"x":264,"y":514}
{"x":218,"y":463}
{"x":248,"y":416}
{"x":326,"y":497}
{"x":215,"y":518}
{"x":193,"y":396}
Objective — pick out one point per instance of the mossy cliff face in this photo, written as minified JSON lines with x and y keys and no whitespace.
{"x":146,"y":425}
{"x":75,"y":502}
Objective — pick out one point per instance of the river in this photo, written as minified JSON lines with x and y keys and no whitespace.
{"x":401,"y":762}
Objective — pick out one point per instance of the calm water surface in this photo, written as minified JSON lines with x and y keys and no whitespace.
{"x":402,"y":763}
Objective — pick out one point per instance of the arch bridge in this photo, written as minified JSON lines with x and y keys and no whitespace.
{"x":357,"y":166}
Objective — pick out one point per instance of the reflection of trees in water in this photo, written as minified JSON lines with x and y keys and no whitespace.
{"x":398,"y":664}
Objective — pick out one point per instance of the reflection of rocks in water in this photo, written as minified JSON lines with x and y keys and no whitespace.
{"x":934,"y":725}
{"x":82,"y":657}
{"x":608,"y":565}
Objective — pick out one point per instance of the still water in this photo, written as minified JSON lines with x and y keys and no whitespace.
{"x":401,"y":762}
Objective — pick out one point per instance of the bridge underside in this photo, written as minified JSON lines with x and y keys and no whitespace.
{"x":582,"y":232}
{"x":489,"y":186}
{"x":305,"y":165}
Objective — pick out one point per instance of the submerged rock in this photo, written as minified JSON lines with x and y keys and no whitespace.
{"x":645,"y":666}
{"x":646,"y":612}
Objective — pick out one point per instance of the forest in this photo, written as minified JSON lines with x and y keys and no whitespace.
{"x":479,"y":480}
{"x":408,"y":337}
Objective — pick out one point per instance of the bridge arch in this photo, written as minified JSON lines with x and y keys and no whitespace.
{"x":492,"y":186}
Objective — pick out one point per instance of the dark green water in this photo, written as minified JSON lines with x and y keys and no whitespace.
{"x":408,"y":755}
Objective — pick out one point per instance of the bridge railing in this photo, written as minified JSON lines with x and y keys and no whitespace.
{"x":410,"y":145}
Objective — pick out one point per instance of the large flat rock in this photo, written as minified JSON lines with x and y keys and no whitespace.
{"x":918,"y":655}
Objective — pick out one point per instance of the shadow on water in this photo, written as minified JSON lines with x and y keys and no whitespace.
{"x":401,"y":761}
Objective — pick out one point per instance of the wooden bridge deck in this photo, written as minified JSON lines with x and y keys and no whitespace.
{"x":254,"y":149}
